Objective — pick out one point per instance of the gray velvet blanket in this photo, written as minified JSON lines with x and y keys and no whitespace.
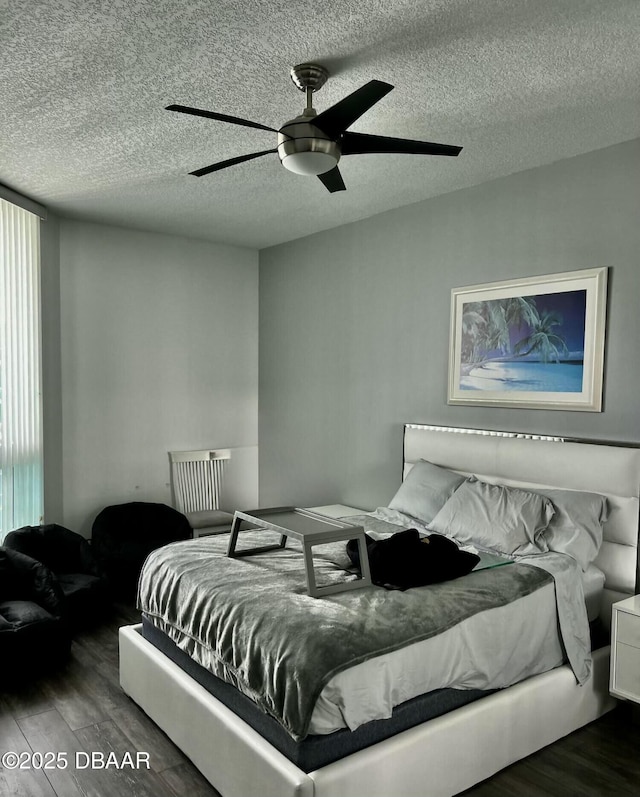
{"x":251,"y":622}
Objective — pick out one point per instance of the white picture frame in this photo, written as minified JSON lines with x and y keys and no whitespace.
{"x":532,"y":342}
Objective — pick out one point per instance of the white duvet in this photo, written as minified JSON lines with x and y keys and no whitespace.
{"x":463,"y":657}
{"x":526,"y":633}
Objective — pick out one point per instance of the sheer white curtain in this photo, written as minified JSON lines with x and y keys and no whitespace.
{"x":21,"y":488}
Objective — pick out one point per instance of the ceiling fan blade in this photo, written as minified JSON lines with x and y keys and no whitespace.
{"x":332,"y":180}
{"x":220,"y":117}
{"x":231,"y":162}
{"x":360,"y":143}
{"x":336,"y":120}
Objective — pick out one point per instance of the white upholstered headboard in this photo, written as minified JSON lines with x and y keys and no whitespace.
{"x":525,"y":460}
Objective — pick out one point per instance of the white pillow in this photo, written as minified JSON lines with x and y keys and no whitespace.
{"x":576,"y":527}
{"x":425,"y":490}
{"x":496,"y":518}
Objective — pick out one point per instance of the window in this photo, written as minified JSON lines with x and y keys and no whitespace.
{"x":21,"y":483}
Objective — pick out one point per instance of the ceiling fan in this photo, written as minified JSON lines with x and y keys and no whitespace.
{"x":312,"y":143}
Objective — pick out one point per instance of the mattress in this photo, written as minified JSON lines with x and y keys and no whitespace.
{"x":464,"y":657}
{"x":314,"y":751}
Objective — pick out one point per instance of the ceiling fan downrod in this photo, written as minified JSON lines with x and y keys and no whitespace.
{"x":309,"y":78}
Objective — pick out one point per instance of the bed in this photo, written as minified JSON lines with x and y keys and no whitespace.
{"x":464,"y":746}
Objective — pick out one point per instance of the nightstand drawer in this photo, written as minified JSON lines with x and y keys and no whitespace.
{"x":628,"y":629}
{"x":626,"y":677}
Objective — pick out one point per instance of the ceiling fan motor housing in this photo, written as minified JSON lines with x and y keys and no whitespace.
{"x":309,"y":76}
{"x":304,"y":149}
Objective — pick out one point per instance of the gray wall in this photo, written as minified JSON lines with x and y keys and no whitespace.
{"x":159,"y":352}
{"x":354,"y":322}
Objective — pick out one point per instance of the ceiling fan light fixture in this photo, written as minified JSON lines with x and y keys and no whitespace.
{"x":305,"y":149}
{"x":309,"y":163}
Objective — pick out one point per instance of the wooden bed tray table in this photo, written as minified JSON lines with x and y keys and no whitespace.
{"x":309,"y":529}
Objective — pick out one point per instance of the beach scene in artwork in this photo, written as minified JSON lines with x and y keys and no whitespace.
{"x":524,"y":343}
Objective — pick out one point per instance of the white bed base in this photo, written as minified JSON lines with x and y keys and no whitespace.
{"x":449,"y":754}
{"x":436,"y":759}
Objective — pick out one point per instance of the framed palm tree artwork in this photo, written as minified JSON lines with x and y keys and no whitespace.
{"x":535,"y":342}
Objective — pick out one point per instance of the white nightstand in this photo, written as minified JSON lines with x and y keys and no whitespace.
{"x":625,"y":649}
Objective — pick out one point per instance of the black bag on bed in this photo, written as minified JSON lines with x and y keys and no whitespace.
{"x":407,"y":560}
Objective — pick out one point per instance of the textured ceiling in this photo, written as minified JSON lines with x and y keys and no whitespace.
{"x":517,"y":83}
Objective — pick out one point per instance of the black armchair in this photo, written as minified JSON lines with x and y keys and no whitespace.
{"x":123,"y":535}
{"x":34,"y":634}
{"x":68,"y":555}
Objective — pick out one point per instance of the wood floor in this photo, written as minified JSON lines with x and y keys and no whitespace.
{"x":81,"y":710}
